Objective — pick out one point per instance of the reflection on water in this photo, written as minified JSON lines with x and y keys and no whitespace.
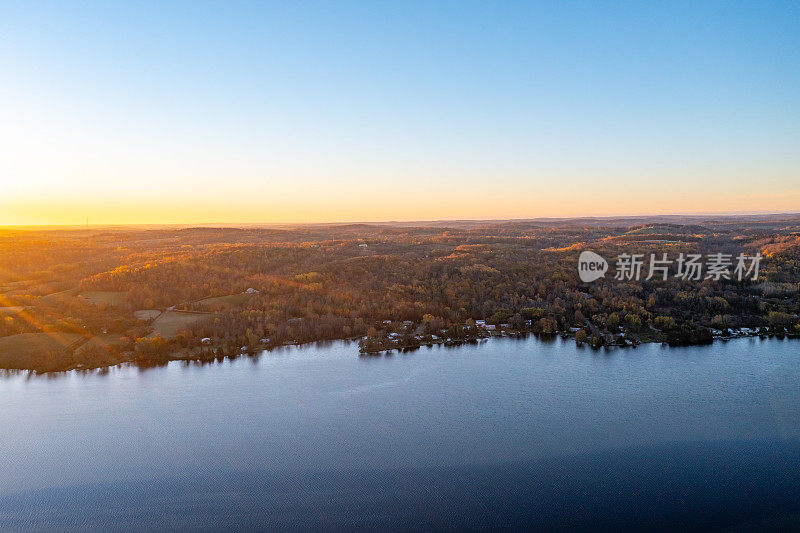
{"x":460,"y":419}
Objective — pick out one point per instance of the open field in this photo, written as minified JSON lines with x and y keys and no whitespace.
{"x":13,"y":287}
{"x":107,"y":297}
{"x":100,"y":341}
{"x":18,"y":351}
{"x":12,"y":309}
{"x":218,"y":302}
{"x":146,"y":314}
{"x":171,"y":322}
{"x":55,"y":297}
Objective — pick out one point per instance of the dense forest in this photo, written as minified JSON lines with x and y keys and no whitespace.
{"x":84,"y":298}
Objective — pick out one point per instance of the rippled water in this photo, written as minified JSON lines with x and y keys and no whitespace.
{"x":509,"y":432}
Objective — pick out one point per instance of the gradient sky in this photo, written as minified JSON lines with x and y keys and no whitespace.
{"x":190,"y":112}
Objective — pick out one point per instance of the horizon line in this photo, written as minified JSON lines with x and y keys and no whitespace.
{"x":724,"y":214}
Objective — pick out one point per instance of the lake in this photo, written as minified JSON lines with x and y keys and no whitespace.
{"x":519,"y":433}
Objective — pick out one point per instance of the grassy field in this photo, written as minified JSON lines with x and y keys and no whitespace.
{"x":107,"y":297}
{"x":218,"y":302}
{"x":18,"y":351}
{"x":146,"y":314}
{"x":13,"y":287}
{"x":101,"y":341}
{"x":12,"y":309}
{"x":58,"y":296}
{"x":171,"y":322}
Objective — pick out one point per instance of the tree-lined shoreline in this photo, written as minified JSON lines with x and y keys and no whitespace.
{"x":87,"y":299}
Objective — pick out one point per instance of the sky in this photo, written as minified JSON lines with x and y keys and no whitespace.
{"x":202,"y":112}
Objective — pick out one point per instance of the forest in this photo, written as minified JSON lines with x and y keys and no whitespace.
{"x":81,"y":298}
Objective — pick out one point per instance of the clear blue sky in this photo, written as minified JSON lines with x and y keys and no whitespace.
{"x":240,"y":111}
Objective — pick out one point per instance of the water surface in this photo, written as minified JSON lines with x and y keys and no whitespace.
{"x":509,"y":432}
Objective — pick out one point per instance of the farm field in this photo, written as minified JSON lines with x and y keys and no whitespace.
{"x":146,"y":314}
{"x":107,"y":297}
{"x":55,"y":297}
{"x":219,"y":302}
{"x":12,"y":309}
{"x":171,"y":322}
{"x":17,"y":351}
{"x":99,"y":341}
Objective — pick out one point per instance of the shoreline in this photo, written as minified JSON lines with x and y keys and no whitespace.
{"x":189,"y":358}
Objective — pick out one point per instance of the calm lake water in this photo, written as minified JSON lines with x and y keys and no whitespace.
{"x":510,"y":432}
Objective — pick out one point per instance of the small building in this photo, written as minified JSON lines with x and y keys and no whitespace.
{"x":251,"y":290}
{"x":490,"y":327}
{"x":205,"y":340}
